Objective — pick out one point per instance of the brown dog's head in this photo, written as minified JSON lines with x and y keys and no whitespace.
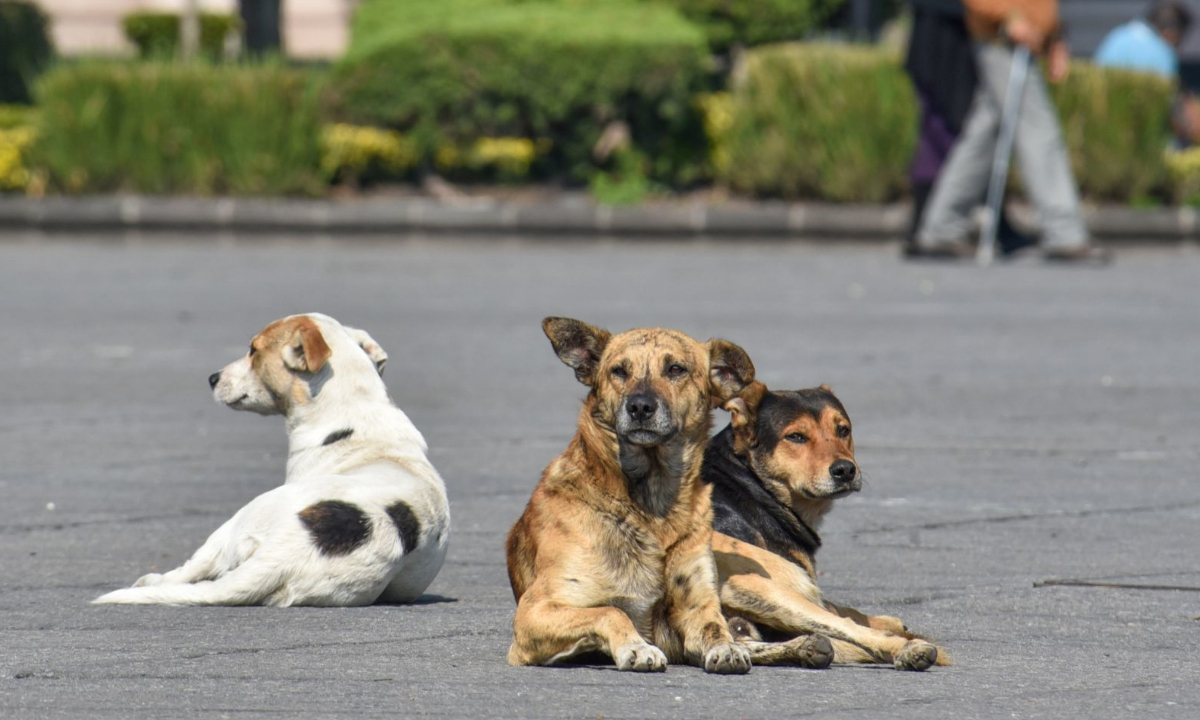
{"x":291,"y":359}
{"x":800,"y":441}
{"x":650,"y":384}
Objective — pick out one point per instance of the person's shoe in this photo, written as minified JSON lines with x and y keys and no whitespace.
{"x":1083,"y":255}
{"x":1013,"y":241}
{"x":942,"y":251}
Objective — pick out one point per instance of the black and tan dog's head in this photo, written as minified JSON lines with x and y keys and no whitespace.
{"x":651,"y":385}
{"x":799,"y":441}
{"x":291,"y":359}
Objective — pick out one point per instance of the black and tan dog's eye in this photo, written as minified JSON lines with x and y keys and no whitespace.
{"x":843,"y":431}
{"x":798,"y":438}
{"x":620,"y":373}
{"x":676,"y":371}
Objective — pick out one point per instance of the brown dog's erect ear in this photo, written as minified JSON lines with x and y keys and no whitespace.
{"x":369,"y":346}
{"x":307,"y":350}
{"x":577,"y":344}
{"x":730,"y":371}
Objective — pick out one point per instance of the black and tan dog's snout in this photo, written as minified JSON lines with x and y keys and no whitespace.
{"x":843,"y":473}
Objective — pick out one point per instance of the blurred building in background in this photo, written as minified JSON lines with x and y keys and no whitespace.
{"x":313,"y":29}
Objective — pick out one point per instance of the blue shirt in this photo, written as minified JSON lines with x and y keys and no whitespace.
{"x":1137,"y":46}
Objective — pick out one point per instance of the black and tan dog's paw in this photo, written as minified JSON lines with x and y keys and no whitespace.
{"x":641,"y":658}
{"x":916,"y":655}
{"x":812,"y":651}
{"x":727,"y":659}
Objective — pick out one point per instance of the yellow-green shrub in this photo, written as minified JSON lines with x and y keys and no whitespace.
{"x":14,"y":147}
{"x":354,"y":153}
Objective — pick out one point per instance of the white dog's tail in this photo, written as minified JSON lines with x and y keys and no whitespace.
{"x":249,"y":584}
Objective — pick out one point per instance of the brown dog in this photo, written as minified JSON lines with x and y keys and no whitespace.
{"x":776,"y":470}
{"x":613,"y":552}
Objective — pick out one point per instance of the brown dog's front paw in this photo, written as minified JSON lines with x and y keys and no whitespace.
{"x":812,"y":651}
{"x":916,"y":655}
{"x":641,"y":658}
{"x":727,"y":659}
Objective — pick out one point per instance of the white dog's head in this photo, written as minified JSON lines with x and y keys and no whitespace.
{"x":291,"y":359}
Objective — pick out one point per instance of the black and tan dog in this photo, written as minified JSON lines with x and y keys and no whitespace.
{"x":613,"y":553}
{"x":775,"y":471}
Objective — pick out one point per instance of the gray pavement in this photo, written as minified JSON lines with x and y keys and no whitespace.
{"x":1016,"y":425}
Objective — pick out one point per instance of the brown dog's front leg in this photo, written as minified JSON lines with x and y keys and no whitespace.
{"x":695,"y":609}
{"x":546,"y":632}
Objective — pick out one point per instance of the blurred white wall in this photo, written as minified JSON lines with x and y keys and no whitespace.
{"x":311,"y":28}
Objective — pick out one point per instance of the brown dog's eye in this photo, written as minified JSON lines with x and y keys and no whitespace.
{"x":252,"y":351}
{"x":797,"y":438}
{"x":620,"y":372}
{"x":843,"y":432}
{"x":676,"y":370}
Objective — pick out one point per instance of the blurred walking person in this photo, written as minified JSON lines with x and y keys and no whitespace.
{"x":996,"y":27}
{"x":941,"y":63}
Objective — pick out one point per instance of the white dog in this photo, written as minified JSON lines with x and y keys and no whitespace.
{"x":362,"y":515}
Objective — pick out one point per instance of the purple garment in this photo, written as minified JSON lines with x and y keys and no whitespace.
{"x":933,"y":146}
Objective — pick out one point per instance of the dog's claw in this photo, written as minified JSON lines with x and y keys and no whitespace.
{"x":727,"y":659}
{"x":813,"y":651}
{"x":641,"y":658}
{"x":916,"y":655}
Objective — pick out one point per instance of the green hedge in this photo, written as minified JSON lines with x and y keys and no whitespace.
{"x":754,"y":22}
{"x":24,"y":49}
{"x":839,"y":123}
{"x":1117,"y":125}
{"x":446,"y":73}
{"x":831,"y":122}
{"x":162,"y":128}
{"x":156,"y":34}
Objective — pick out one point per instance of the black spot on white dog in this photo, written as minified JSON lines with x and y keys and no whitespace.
{"x":337,"y":527}
{"x":337,"y":435}
{"x":407,"y":524}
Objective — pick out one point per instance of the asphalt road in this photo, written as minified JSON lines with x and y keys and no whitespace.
{"x":1016,"y":425}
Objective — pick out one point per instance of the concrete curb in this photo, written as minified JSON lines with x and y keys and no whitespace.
{"x":571,"y":215}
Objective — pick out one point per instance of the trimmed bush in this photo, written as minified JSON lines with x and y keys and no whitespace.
{"x":556,"y":72}
{"x":839,"y":123}
{"x":754,"y":22}
{"x":163,"y":128}
{"x":831,"y":122}
{"x":1116,"y":124}
{"x":25,"y":49}
{"x":156,"y":34}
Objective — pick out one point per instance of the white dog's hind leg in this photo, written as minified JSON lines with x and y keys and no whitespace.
{"x":251,"y":583}
{"x":208,"y":563}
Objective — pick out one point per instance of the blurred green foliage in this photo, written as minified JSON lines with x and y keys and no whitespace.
{"x":25,"y":49}
{"x":821,"y":121}
{"x":168,"y":128}
{"x":156,"y":34}
{"x":755,"y":22}
{"x":557,"y":72}
{"x":1116,"y":124}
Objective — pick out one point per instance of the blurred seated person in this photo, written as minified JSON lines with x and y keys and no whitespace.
{"x":1148,"y":45}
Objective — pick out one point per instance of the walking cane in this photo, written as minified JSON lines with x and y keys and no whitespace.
{"x":1004,"y":145}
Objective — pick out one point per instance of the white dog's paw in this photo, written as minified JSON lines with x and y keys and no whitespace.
{"x":151,"y":579}
{"x":727,"y":659}
{"x":641,"y":658}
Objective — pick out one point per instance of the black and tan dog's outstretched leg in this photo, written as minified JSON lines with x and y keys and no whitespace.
{"x":768,"y":590}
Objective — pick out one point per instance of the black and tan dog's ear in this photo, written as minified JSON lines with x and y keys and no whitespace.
{"x":743,"y":408}
{"x":730,"y":370}
{"x":373,"y":349}
{"x":306,"y":350}
{"x":577,"y":344}
{"x":826,"y":388}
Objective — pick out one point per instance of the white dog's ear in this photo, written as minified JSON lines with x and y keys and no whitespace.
{"x":306,"y":350}
{"x":370,"y":347}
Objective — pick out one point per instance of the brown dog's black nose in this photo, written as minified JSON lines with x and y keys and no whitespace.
{"x":842,"y":471}
{"x":213,"y":380}
{"x":641,"y":407}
